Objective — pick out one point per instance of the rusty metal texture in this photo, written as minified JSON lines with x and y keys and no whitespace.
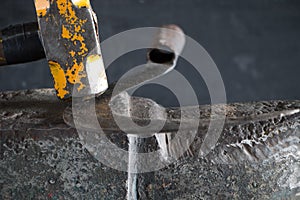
{"x":69,"y":33}
{"x":42,"y":157}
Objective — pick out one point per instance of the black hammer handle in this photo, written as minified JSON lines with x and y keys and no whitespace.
{"x":20,"y":43}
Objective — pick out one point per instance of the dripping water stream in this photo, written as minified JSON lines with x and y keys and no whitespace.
{"x":132,"y":181}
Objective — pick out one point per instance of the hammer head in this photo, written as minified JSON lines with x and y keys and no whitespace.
{"x":69,"y":33}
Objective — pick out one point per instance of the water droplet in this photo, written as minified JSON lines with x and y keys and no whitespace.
{"x":52,"y":181}
{"x":78,"y":184}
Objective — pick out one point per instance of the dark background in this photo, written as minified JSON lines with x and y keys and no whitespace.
{"x":255,"y":44}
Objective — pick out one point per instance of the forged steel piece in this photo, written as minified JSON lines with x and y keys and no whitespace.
{"x":162,"y":58}
{"x":42,"y":157}
{"x":69,"y":34}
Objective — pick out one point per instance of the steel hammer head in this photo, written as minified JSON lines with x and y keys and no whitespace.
{"x":69,"y":33}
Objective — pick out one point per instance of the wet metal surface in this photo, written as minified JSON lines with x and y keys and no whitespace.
{"x":43,"y":158}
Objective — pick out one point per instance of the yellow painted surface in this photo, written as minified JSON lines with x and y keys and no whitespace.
{"x":93,"y":58}
{"x":72,"y":53}
{"x":42,"y":7}
{"x":73,"y":34}
{"x":82,"y":3}
{"x":73,"y":70}
{"x":60,"y":82}
{"x":66,"y":33}
{"x":75,"y":74}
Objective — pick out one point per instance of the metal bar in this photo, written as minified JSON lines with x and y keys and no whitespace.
{"x":168,"y":44}
{"x":39,"y":113}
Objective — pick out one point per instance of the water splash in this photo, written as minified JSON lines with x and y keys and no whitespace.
{"x":163,"y":140}
{"x":132,"y":193}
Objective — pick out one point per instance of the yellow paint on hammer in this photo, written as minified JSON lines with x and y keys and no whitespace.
{"x":42,"y":7}
{"x":73,"y":33}
{"x":82,"y":3}
{"x":66,"y":33}
{"x":72,"y":67}
{"x":75,"y":74}
{"x":60,"y":82}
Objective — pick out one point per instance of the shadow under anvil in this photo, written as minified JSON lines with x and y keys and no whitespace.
{"x":41,"y":156}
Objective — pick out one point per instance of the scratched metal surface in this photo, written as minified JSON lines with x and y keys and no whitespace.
{"x":43,"y":158}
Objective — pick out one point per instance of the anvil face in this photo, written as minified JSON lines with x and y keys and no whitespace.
{"x":69,"y":33}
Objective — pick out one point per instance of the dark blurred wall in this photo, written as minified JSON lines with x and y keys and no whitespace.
{"x":255,"y":43}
